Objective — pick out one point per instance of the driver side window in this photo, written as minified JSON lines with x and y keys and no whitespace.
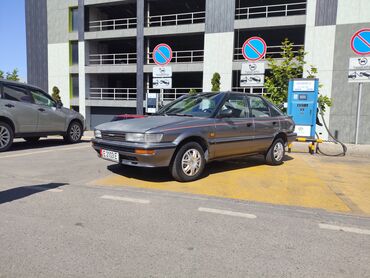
{"x":235,"y":107}
{"x":41,"y":99}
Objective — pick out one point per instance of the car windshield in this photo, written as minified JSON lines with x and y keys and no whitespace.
{"x":203,"y":105}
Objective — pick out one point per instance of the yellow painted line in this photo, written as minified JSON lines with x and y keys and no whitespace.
{"x":295,"y":183}
{"x":45,"y":151}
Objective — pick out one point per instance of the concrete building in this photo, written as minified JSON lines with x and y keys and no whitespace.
{"x":98,"y":52}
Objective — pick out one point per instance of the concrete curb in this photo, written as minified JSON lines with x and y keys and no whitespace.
{"x":332,"y":148}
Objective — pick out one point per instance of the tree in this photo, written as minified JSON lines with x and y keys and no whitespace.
{"x":1,"y":74}
{"x":291,"y":66}
{"x":192,"y":91}
{"x":12,"y":75}
{"x":216,"y":82}
{"x":56,"y":94}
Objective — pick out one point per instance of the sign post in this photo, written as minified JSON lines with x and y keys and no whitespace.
{"x":253,"y":72}
{"x":162,"y":75}
{"x":359,"y":68}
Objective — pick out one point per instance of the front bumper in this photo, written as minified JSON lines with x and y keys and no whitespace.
{"x":163,"y":152}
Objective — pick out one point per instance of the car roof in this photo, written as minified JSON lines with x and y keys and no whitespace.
{"x":229,"y":92}
{"x":17,"y":83}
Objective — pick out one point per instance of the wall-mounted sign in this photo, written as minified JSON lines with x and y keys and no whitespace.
{"x":359,"y":69}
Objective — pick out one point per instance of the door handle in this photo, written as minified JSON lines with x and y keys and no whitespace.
{"x":249,"y":124}
{"x":274,"y":123}
{"x":41,"y":109}
{"x":9,"y":105}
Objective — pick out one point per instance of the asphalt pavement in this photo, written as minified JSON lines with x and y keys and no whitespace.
{"x":55,"y":222}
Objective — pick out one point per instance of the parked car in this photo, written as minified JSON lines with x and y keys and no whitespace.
{"x":126,"y":117}
{"x":196,"y":129}
{"x":28,"y":112}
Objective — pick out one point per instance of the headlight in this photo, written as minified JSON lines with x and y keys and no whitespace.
{"x":97,"y":134}
{"x":143,"y":137}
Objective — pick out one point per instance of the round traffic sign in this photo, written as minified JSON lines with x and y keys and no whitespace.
{"x":254,"y":49}
{"x":162,"y":54}
{"x":360,"y":42}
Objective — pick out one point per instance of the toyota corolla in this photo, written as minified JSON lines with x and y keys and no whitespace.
{"x":196,"y":129}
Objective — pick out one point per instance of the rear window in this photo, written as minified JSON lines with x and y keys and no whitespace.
{"x":16,"y":93}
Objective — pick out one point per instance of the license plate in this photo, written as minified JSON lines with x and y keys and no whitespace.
{"x":110,"y":155}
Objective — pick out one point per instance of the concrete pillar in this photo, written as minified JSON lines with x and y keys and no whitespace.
{"x":219,"y":43}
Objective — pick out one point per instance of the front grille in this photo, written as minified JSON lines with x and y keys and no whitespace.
{"x":109,"y":136}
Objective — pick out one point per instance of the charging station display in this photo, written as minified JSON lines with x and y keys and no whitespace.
{"x":302,"y":105}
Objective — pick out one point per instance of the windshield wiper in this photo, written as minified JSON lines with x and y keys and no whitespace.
{"x":178,"y":114}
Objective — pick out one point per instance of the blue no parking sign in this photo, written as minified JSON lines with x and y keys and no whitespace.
{"x":360,"y":42}
{"x":254,"y":49}
{"x":162,"y":54}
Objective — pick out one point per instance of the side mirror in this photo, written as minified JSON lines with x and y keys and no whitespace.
{"x":59,"y":104}
{"x":227,"y":113}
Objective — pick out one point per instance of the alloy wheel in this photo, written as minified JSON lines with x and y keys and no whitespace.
{"x":4,"y":137}
{"x":75,"y":132}
{"x":278,"y":151}
{"x":191,"y":162}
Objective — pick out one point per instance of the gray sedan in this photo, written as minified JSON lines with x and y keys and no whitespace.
{"x":196,"y":129}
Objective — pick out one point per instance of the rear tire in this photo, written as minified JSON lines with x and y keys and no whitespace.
{"x":276,"y":153}
{"x":32,"y":139}
{"x":188,"y":163}
{"x":74,"y":133}
{"x":6,"y":137}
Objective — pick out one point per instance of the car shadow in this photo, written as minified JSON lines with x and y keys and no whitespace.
{"x":160,"y":175}
{"x":20,"y":144}
{"x":17,"y":193}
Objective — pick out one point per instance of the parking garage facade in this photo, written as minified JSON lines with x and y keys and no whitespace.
{"x":99,"y":52}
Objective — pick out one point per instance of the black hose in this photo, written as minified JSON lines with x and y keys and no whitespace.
{"x":335,"y":140}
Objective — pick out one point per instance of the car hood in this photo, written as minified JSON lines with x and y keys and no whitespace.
{"x":143,"y":124}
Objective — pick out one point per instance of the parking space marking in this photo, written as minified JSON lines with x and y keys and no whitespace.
{"x":46,"y":151}
{"x":344,"y":229}
{"x":55,"y":190}
{"x":125,"y":199}
{"x":228,"y":212}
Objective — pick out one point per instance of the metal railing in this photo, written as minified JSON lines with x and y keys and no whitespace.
{"x":183,"y":56}
{"x":112,"y":24}
{"x":113,"y":59}
{"x":112,"y":94}
{"x":298,"y":8}
{"x":250,"y":90}
{"x":175,"y":19}
{"x":272,"y":52}
{"x":172,"y":94}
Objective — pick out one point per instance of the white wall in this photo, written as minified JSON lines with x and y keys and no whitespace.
{"x":353,"y":11}
{"x":58,"y":70}
{"x":218,"y":57}
{"x":82,"y":78}
{"x":319,"y":45}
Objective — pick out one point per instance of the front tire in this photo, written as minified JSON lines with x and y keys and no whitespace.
{"x":74,"y":133}
{"x":6,"y":137}
{"x":188,"y":163}
{"x":276,"y":153}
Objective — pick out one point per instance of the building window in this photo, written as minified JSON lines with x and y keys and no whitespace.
{"x":74,"y":86}
{"x":74,"y":53}
{"x":74,"y":19}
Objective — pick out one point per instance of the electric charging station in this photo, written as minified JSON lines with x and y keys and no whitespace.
{"x":152,"y":103}
{"x":302,"y":107}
